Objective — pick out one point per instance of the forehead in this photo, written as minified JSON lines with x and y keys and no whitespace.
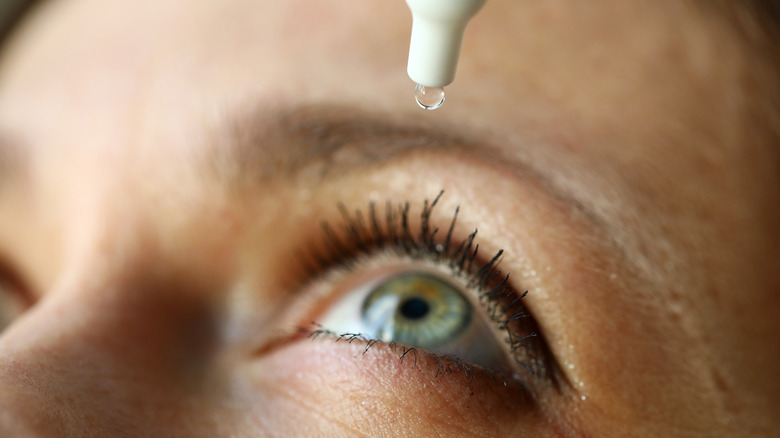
{"x":597,"y":78}
{"x":525,"y":61}
{"x":586,"y":81}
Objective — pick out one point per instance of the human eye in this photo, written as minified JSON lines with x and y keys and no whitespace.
{"x":393,"y":279}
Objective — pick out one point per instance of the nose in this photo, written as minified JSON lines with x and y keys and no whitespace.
{"x":112,"y":353}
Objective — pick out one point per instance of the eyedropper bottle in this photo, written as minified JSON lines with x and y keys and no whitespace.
{"x":437,"y":33}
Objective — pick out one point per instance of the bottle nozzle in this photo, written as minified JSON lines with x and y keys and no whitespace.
{"x":437,"y":34}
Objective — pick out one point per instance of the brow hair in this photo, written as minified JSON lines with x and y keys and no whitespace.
{"x":315,"y":140}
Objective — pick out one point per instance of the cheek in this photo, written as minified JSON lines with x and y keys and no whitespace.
{"x":341,"y":389}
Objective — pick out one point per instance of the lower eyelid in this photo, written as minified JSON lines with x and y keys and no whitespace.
{"x":435,"y":365}
{"x":339,"y":372}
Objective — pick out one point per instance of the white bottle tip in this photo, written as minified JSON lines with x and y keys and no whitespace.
{"x":429,"y":98}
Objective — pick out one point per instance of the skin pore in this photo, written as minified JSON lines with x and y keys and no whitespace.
{"x":164,"y":166}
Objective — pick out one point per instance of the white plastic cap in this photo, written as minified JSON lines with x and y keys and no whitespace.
{"x":437,"y":34}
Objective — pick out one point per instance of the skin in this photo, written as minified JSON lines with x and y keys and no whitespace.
{"x":153,"y":209}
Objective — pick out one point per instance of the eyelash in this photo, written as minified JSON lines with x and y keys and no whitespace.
{"x":362,"y":236}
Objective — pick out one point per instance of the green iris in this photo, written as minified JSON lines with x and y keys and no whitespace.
{"x":416,"y":309}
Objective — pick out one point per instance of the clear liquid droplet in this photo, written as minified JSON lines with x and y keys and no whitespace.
{"x":429,"y":98}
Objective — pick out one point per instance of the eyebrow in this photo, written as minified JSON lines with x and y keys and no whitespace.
{"x":314,"y":142}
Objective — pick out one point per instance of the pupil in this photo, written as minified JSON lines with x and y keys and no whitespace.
{"x":414,"y":308}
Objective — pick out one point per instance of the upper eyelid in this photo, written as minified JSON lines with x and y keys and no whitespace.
{"x":363,"y":232}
